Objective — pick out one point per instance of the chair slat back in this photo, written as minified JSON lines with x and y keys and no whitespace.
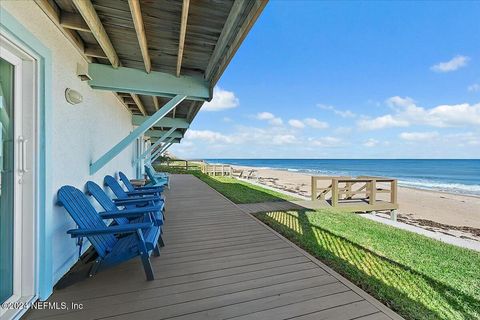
{"x":150,"y":174}
{"x":113,"y":184}
{"x":126,"y":181}
{"x":86,"y":217}
{"x":97,"y":192}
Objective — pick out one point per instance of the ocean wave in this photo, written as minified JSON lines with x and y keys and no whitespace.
{"x":439,"y":186}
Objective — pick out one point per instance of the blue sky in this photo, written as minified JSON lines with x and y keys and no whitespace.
{"x":319,"y":79}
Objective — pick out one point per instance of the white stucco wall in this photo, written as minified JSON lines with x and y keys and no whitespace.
{"x":80,"y":133}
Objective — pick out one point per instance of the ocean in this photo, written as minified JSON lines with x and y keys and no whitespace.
{"x":454,"y":176}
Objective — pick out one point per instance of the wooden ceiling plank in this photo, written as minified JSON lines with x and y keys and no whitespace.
{"x":139,"y":103}
{"x":183,"y":31}
{"x":140,"y":31}
{"x":86,"y":9}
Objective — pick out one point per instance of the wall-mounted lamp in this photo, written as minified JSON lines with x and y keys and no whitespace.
{"x":73,"y":97}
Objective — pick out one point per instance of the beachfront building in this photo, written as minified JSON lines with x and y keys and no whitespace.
{"x":87,"y":87}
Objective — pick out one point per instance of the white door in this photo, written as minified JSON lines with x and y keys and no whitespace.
{"x":18,"y":220}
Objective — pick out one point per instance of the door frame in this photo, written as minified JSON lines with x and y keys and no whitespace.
{"x":18,"y":34}
{"x":25,"y":128}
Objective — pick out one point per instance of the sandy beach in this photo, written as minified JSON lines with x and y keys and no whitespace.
{"x":453,"y":214}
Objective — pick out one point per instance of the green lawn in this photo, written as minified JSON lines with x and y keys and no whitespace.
{"x":241,"y":192}
{"x":418,"y":277}
{"x":236,"y":190}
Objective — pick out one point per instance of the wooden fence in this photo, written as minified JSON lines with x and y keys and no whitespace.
{"x":217,"y":169}
{"x":361,"y":192}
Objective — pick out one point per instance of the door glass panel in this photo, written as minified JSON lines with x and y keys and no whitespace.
{"x":7,"y":171}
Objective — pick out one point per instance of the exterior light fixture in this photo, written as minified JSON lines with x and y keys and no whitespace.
{"x":73,"y":97}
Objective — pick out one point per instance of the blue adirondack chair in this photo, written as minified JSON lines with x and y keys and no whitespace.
{"x":130,"y":200}
{"x":111,"y":250}
{"x":155,"y":180}
{"x":140,"y":190}
{"x":155,"y":212}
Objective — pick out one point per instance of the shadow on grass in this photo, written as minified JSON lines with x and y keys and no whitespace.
{"x":411,"y":293}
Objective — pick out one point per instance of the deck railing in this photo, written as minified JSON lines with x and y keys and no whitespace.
{"x":348,"y":188}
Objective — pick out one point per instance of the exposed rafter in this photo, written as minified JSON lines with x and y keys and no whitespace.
{"x":54,"y":13}
{"x":240,"y":32}
{"x":95,"y":51}
{"x":86,"y":9}
{"x":73,"y":21}
{"x":183,"y":31}
{"x":140,"y":30}
{"x":139,"y":103}
{"x":155,"y":102}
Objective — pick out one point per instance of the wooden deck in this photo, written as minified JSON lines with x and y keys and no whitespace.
{"x":218,"y":263}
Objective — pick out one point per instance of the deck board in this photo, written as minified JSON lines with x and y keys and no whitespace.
{"x":218,"y":263}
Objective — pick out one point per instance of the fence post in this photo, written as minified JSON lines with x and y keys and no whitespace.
{"x":393,"y":191}
{"x":314,"y":188}
{"x":334,"y":192}
{"x":373,"y":192}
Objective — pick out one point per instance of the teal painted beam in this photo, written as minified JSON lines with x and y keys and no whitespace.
{"x":159,"y":150}
{"x":160,"y":153}
{"x":164,"y":122}
{"x":160,"y":133}
{"x":119,"y":147}
{"x":122,"y":79}
{"x":153,"y":146}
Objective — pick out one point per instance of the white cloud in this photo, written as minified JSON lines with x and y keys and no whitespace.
{"x":370,"y":143}
{"x":207,"y":135}
{"x":474,"y":87}
{"x":296,"y":123}
{"x":455,"y":63}
{"x":464,"y":138}
{"x":341,"y":113}
{"x":317,"y":124}
{"x":326,"y":142}
{"x":222,"y":100}
{"x":408,"y":113}
{"x":382,"y":122}
{"x":418,"y":136}
{"x":270,"y":117}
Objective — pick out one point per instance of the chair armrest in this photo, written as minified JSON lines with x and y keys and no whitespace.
{"x":145,"y":192}
{"x":136,"y":200}
{"x":124,"y":228}
{"x":128,"y":213}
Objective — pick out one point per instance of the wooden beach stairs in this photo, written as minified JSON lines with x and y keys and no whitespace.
{"x":218,"y":263}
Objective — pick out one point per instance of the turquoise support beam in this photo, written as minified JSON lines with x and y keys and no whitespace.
{"x":122,"y":79}
{"x":119,"y":147}
{"x":159,"y":150}
{"x":160,"y":153}
{"x":156,"y":144}
{"x":164,"y":122}
{"x":160,"y":133}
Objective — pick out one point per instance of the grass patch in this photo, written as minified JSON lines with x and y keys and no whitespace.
{"x":418,"y":277}
{"x":236,"y":190}
{"x":240,"y":191}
